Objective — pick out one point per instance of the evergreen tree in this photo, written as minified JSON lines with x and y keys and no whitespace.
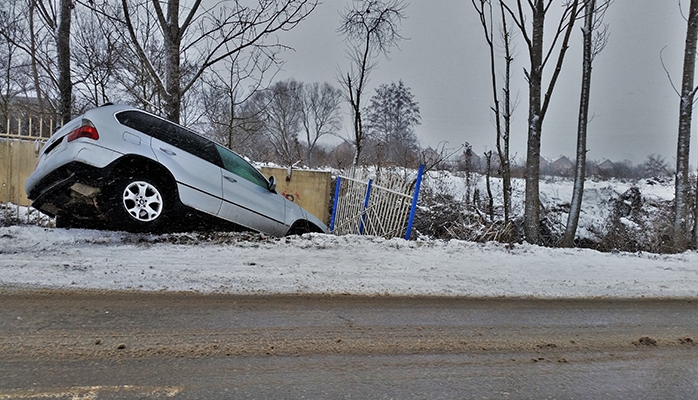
{"x":391,"y":118}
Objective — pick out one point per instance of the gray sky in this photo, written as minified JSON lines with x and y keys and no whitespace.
{"x":445,"y":63}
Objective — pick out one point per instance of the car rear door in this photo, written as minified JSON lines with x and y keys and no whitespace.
{"x":194,"y":162}
{"x":247,"y":199}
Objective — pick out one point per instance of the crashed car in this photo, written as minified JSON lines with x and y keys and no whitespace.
{"x":123,"y":168}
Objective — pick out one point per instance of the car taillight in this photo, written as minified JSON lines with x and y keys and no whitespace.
{"x":87,"y":130}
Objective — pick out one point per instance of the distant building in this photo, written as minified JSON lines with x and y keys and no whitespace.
{"x":431,"y":156}
{"x":606,"y":167}
{"x":469,"y":161}
{"x":563,"y":166}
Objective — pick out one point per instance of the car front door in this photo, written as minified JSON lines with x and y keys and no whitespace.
{"x":247,"y":199}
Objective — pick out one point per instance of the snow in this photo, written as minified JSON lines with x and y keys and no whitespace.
{"x":36,"y":258}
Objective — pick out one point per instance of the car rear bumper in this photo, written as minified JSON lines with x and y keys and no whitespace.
{"x":72,"y":188}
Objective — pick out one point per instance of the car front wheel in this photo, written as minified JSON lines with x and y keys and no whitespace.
{"x":139,"y":204}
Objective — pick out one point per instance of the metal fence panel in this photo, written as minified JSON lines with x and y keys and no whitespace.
{"x":378,"y":206}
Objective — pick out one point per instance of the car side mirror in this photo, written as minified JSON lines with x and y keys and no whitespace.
{"x":272,"y":184}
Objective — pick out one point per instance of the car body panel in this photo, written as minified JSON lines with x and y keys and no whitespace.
{"x":198,"y":181}
{"x":69,"y":175}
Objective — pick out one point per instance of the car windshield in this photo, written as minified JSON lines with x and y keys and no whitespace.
{"x":235,"y":164}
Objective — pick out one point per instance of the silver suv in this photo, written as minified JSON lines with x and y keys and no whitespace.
{"x":123,"y":168}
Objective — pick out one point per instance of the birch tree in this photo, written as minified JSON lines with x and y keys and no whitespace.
{"x":688,"y":91}
{"x":594,"y":37}
{"x":539,"y":92}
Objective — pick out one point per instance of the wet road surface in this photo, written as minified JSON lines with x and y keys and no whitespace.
{"x":89,"y":345}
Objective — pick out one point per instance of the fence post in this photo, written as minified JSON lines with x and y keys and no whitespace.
{"x":363,"y":213}
{"x":336,"y":201}
{"x":414,"y":202}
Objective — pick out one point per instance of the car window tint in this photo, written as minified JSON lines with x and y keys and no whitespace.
{"x":171,"y":133}
{"x":235,"y":164}
{"x":140,"y":121}
{"x":190,"y":142}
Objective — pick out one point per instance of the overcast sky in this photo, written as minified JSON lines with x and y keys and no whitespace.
{"x":634,"y":108}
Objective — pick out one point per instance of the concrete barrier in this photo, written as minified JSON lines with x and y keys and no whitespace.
{"x":309,"y":189}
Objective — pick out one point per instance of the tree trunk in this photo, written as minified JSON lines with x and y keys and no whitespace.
{"x":532,"y":199}
{"x":682,"y":188}
{"x":34,"y":67}
{"x":580,"y":168}
{"x":172,"y":62}
{"x":65,"y":86}
{"x":504,"y":161}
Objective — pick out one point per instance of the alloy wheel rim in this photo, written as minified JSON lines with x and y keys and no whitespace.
{"x":142,"y":201}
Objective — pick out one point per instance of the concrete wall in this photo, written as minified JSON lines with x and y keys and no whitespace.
{"x":17,"y":161}
{"x":309,"y":189}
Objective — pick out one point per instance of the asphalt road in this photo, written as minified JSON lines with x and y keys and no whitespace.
{"x":63,"y":345}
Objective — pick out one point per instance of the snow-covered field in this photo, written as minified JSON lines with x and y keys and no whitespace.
{"x":33,"y":257}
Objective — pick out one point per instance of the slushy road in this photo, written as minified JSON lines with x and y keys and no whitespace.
{"x":108,"y":345}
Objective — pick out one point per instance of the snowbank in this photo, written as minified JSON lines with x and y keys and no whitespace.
{"x":35,"y":257}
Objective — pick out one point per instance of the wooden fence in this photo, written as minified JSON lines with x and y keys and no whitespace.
{"x":20,"y":142}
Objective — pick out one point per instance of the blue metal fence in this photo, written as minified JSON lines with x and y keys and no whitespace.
{"x":383,"y":205}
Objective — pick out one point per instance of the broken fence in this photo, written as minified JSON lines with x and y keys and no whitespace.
{"x":381,"y":206}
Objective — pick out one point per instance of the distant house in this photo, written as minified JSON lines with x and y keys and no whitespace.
{"x":431,"y":156}
{"x":607,"y":166}
{"x":23,"y":116}
{"x":469,"y":161}
{"x":563,"y":166}
{"x":544,"y":165}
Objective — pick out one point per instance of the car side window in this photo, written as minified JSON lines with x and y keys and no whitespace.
{"x":235,"y":164}
{"x":190,"y":142}
{"x":141,"y":122}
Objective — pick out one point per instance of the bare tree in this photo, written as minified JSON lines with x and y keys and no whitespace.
{"x":538,"y":99}
{"x":502,"y":111}
{"x":206,"y":36}
{"x":319,"y":114}
{"x":595,"y":37}
{"x":30,"y":27}
{"x":94,"y":61}
{"x":281,"y":118}
{"x":226,"y":93}
{"x":371,"y":28}
{"x":688,"y":92}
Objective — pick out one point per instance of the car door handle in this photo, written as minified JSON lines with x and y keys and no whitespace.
{"x":230,"y":179}
{"x":168,"y":152}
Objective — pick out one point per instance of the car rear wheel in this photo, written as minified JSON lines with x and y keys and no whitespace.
{"x":139,"y":204}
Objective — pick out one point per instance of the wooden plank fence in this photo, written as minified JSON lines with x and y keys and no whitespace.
{"x":21,"y":139}
{"x":380,"y":206}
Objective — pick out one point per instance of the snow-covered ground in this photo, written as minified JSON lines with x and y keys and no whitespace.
{"x":34,"y":257}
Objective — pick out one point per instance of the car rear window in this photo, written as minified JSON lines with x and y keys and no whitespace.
{"x":139,"y":121}
{"x":172,"y":134}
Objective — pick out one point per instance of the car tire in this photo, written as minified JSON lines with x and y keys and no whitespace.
{"x":139,"y":204}
{"x":65,"y":221}
{"x":302,"y":227}
{"x":68,"y":221}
